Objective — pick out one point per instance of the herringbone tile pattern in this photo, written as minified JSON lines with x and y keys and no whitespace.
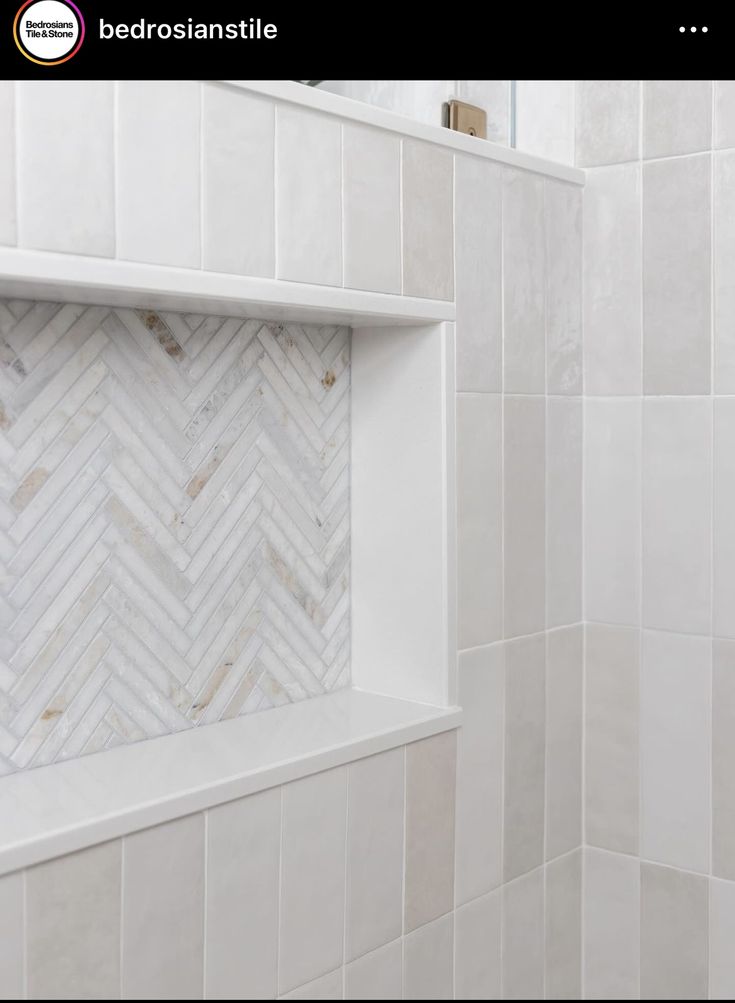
{"x":174,"y":523}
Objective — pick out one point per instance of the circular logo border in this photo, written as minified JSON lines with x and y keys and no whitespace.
{"x":46,"y":62}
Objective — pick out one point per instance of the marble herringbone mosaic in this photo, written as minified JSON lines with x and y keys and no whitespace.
{"x":174,"y":523}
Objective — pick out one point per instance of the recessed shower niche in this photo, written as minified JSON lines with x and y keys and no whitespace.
{"x":176,"y":520}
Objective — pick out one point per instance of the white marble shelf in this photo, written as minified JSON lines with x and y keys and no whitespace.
{"x":58,"y":809}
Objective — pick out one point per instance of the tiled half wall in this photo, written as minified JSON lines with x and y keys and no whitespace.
{"x":174,"y":522}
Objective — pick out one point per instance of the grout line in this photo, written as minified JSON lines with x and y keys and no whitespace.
{"x":201,"y":176}
{"x":276,"y":188}
{"x":123,"y":842}
{"x":279,"y":901}
{"x":345,"y":880}
{"x":641,"y":489}
{"x":24,"y":937}
{"x":205,"y":924}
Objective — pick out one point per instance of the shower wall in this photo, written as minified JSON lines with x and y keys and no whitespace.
{"x":174,"y":502}
{"x":659,"y":257}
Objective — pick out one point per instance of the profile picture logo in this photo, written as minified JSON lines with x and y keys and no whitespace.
{"x":49,"y":32}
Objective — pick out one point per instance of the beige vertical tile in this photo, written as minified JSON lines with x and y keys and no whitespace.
{"x":312,"y":878}
{"x":563,"y":511}
{"x":724,"y":524}
{"x":7,"y":162}
{"x":677,"y":117}
{"x":371,"y":171}
{"x":479,"y":519}
{"x":676,"y":276}
{"x":428,"y":227}
{"x":611,"y":748}
{"x":563,"y":226}
{"x":243,"y":856}
{"x":523,"y":937}
{"x":608,"y":121}
{"x":376,"y":976}
{"x":563,"y":924}
{"x":525,"y":731}
{"x":374,"y":852}
{"x":477,"y":949}
{"x":724,"y":264}
{"x":677,"y":514}
{"x":612,"y":510}
{"x":428,"y":961}
{"x":163,"y":911}
{"x":66,"y":202}
{"x":430,"y":799}
{"x":479,"y":324}
{"x":525,"y":515}
{"x":564,"y":674}
{"x":238,"y":136}
{"x":675,"y":741}
{"x":723,"y":759}
{"x":674,"y":934}
{"x":524,"y":283}
{"x":612,"y":919}
{"x":308,"y":197}
{"x":12,"y":925}
{"x":73,"y":925}
{"x":721,"y":940}
{"x":724,"y":114}
{"x":158,"y":125}
{"x":612,"y":281}
{"x":328,"y":987}
{"x":479,"y":833}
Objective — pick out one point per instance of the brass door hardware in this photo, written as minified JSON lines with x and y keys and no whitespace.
{"x":466,"y":118}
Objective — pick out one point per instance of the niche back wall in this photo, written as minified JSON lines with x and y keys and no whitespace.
{"x":174,"y":522}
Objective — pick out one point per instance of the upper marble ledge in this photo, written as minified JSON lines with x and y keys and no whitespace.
{"x":345,"y":108}
{"x":58,"y":809}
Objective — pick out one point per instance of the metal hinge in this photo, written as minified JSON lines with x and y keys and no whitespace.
{"x":467,"y":118}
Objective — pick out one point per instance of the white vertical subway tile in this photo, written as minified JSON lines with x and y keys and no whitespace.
{"x":327,"y":987}
{"x":12,"y":925}
{"x":158,"y":172}
{"x":163,"y":911}
{"x":612,"y":281}
{"x":238,"y":222}
{"x":7,"y":162}
{"x":564,"y":672}
{"x":66,"y":200}
{"x":612,"y":919}
{"x":428,"y":221}
{"x":563,"y":223}
{"x":674,"y":934}
{"x":376,"y":976}
{"x":608,"y":121}
{"x":675,"y":736}
{"x":494,"y":97}
{"x":371,"y":169}
{"x":612,"y":671}
{"x":480,"y":772}
{"x":243,"y":856}
{"x":312,"y":877}
{"x":676,"y":276}
{"x":724,"y":524}
{"x":524,"y":564}
{"x":374,"y":852}
{"x":477,"y":949}
{"x":428,"y":961}
{"x":73,"y":925}
{"x":523,"y":937}
{"x":677,"y":117}
{"x":479,"y":324}
{"x":677,"y":514}
{"x":479,"y":520}
{"x":724,"y":114}
{"x":721,"y":940}
{"x":308,"y":199}
{"x":545,"y":119}
{"x":612,"y":510}
{"x":563,"y":923}
{"x":431,"y":769}
{"x":563,"y":511}
{"x":524,"y":282}
{"x":724,"y":266}
{"x":723,"y":759}
{"x":524,"y":787}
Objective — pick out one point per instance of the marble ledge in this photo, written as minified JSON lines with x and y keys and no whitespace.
{"x":54,"y":810}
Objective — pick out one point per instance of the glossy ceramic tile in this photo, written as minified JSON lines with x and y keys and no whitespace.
{"x":564,"y":693}
{"x":724,"y":525}
{"x":523,"y":937}
{"x":545,"y":119}
{"x":564,"y":555}
{"x":723,"y":759}
{"x":563,"y":919}
{"x":376,"y":976}
{"x":724,"y":114}
{"x":8,"y":231}
{"x":11,"y":936}
{"x":608,"y":121}
{"x":428,"y":961}
{"x":724,"y":263}
{"x":721,"y":938}
{"x":677,"y":117}
{"x":428,"y":229}
{"x":563,"y":214}
{"x":477,"y":949}
{"x":612,"y":910}
{"x":328,"y":987}
{"x":494,"y":97}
